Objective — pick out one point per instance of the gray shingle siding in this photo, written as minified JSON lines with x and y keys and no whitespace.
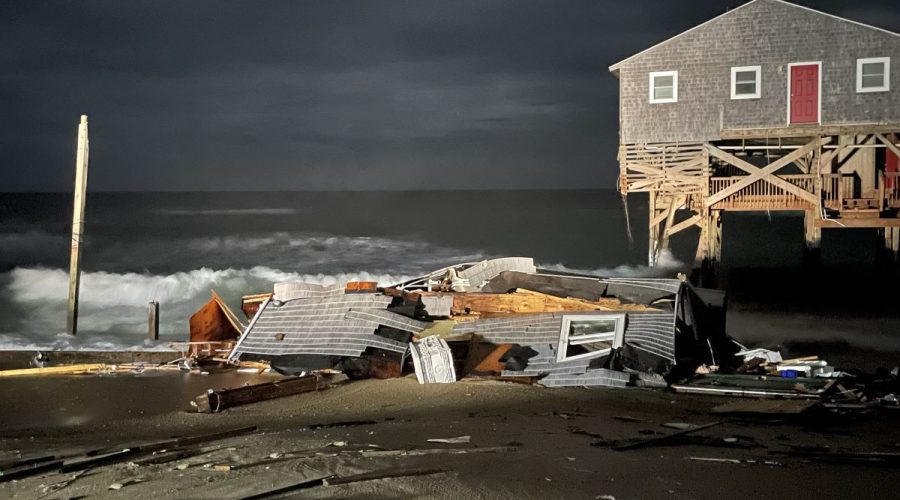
{"x":765,"y":33}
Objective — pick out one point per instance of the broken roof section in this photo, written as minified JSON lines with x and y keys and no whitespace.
{"x":323,"y":321}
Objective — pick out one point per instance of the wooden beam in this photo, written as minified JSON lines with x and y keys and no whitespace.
{"x":81,"y":171}
{"x":216,"y":401}
{"x":765,"y":174}
{"x":805,"y":131}
{"x":856,"y":223}
{"x":681,"y":226}
{"x":890,"y":145}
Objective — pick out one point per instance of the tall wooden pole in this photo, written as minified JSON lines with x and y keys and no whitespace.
{"x":81,"y":171}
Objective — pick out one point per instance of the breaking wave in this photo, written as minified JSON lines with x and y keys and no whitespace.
{"x":666,"y":267}
{"x":113,"y":306}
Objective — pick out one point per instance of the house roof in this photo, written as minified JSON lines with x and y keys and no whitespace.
{"x":615,"y":67}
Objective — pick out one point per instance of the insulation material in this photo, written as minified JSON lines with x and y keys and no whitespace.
{"x":433,"y":361}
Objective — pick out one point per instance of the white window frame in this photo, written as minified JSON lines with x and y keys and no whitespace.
{"x":859,"y":75}
{"x":653,"y":76}
{"x":617,"y":337}
{"x":738,"y":69}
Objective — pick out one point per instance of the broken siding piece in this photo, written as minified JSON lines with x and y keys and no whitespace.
{"x":433,"y":361}
{"x":290,"y":291}
{"x":598,"y":377}
{"x":340,"y":325}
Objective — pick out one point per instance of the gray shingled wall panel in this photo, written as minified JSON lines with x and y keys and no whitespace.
{"x":331,"y":325}
{"x":598,"y":377}
{"x":769,"y":34}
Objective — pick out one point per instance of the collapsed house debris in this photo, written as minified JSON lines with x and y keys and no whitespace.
{"x":501,"y":319}
{"x":561,"y":330}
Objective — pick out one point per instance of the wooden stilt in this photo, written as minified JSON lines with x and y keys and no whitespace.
{"x":670,"y":221}
{"x":709,"y":248}
{"x":81,"y":170}
{"x":653,"y":243}
{"x":153,"y":321}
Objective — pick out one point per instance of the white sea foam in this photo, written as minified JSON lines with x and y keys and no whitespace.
{"x":113,"y":306}
{"x":666,"y":267}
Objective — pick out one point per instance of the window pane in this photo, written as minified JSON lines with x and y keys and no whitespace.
{"x":663,"y":93}
{"x":745,"y":77}
{"x":590,"y":327}
{"x":745,"y":88}
{"x":664,"y":81}
{"x":872,"y":69}
{"x":872,"y":81}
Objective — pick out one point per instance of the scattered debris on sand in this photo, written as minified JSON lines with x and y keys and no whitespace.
{"x":504,"y":320}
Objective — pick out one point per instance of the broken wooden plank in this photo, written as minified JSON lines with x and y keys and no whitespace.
{"x":304,"y":484}
{"x":215,"y":401}
{"x":522,"y":301}
{"x":28,"y":470}
{"x":79,"y":369}
{"x":381,"y":474}
{"x":765,"y":407}
{"x":662,"y":439}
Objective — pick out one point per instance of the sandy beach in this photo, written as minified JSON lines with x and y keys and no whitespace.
{"x":554,"y":444}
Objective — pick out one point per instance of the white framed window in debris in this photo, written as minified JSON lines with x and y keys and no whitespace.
{"x":663,"y":87}
{"x":873,"y":74}
{"x":589,"y":336}
{"x":746,"y":82}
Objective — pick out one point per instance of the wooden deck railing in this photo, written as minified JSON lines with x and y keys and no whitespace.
{"x":836,"y":188}
{"x":762,"y":195}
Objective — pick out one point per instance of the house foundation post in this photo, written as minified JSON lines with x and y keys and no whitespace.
{"x":653,"y":240}
{"x":812,"y":253}
{"x":709,"y":249}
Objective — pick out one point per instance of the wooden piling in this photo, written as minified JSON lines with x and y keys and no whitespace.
{"x":81,"y":171}
{"x":153,"y":321}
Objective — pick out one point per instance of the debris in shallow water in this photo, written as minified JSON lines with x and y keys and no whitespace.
{"x":453,"y":440}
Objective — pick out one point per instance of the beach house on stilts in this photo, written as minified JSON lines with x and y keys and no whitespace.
{"x":769,"y":107}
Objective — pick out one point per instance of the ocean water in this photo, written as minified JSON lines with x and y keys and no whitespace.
{"x":176,"y":247}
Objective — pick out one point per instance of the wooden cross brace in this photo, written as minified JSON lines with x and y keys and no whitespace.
{"x":764,"y":174}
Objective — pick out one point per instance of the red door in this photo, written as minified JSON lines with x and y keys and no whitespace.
{"x":805,"y":94}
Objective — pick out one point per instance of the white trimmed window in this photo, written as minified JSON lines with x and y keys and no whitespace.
{"x":873,"y":74}
{"x":746,"y":82}
{"x":590,"y":336}
{"x":663,"y":87}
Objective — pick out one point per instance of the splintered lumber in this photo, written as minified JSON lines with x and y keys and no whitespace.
{"x":302,"y":485}
{"x":216,"y":401}
{"x":381,"y":474}
{"x":523,"y":301}
{"x":29,"y":469}
{"x":59,"y":370}
{"x":662,"y":439}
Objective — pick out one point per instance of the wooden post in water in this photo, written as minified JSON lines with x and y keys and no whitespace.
{"x":153,"y":321}
{"x":81,"y":171}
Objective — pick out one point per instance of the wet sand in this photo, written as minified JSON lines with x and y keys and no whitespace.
{"x":550,"y":461}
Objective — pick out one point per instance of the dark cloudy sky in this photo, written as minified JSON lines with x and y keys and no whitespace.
{"x":262,"y":95}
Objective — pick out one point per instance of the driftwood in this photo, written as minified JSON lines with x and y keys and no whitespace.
{"x":216,"y":401}
{"x":662,"y":439}
{"x":112,"y":455}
